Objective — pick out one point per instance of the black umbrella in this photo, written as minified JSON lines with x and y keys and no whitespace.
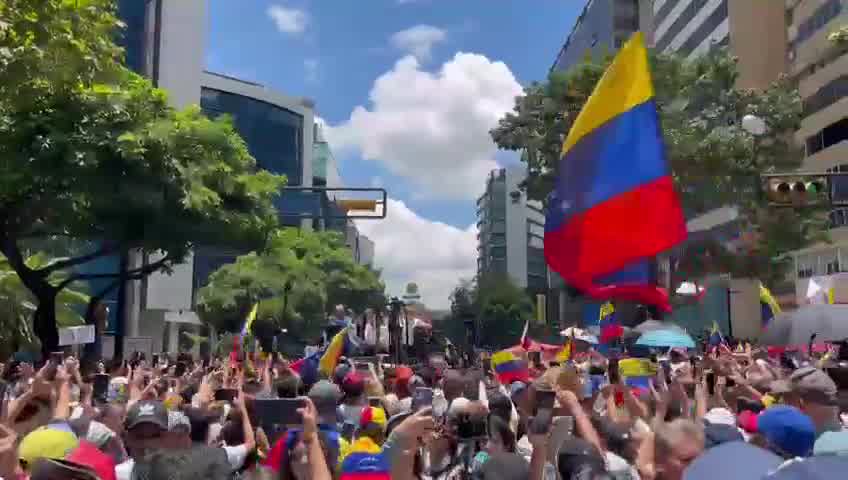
{"x":829,"y":323}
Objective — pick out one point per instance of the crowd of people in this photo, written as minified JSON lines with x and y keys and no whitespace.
{"x":721,"y":414}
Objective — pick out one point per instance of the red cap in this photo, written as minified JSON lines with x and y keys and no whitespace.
{"x":88,"y":455}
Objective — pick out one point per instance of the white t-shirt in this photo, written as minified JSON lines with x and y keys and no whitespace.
{"x":236,"y":455}
{"x":123,"y":471}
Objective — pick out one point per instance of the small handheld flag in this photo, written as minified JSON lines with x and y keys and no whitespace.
{"x":330,"y":358}
{"x":509,"y":368}
{"x":715,"y":335}
{"x":610,"y":328}
{"x":251,"y":317}
{"x":614,"y":204}
{"x":567,"y":351}
{"x":768,"y":306}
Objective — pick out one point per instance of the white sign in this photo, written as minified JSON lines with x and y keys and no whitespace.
{"x":76,"y":335}
{"x":138,"y":344}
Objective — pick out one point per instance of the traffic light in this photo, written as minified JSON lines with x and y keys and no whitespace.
{"x":797,"y":190}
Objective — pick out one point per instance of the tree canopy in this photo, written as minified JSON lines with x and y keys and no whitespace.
{"x":92,"y":151}
{"x":296,"y":279}
{"x":499,"y":307}
{"x":715,"y":162}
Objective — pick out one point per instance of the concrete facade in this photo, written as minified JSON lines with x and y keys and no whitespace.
{"x":821,"y":69}
{"x":511,"y":231}
{"x":603,"y":26}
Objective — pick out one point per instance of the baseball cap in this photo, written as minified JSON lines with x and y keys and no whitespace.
{"x":516,"y":388}
{"x":149,"y":411}
{"x":720,"y":416}
{"x":716,"y":434}
{"x":732,"y":461}
{"x":178,"y":422}
{"x":788,"y":430}
{"x":325,"y":395}
{"x":99,"y":434}
{"x":88,"y":455}
{"x":353,"y":384}
{"x":812,"y":383}
{"x":46,"y":442}
{"x":747,"y":421}
{"x":372,"y":416}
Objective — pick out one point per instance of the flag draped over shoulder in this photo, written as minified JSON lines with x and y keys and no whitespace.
{"x":768,"y":306}
{"x":614,"y":207}
{"x":509,"y":368}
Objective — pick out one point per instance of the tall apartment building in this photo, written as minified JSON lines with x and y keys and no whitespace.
{"x":820,"y":67}
{"x":602,"y":27}
{"x":511,"y":232}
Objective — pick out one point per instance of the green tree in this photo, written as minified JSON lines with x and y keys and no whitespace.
{"x":17,"y":306}
{"x":92,"y":151}
{"x":499,"y":307}
{"x":715,"y":162}
{"x":504,"y":308}
{"x":295,"y":279}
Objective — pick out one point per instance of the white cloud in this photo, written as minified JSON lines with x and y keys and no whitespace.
{"x":289,"y":20}
{"x":436,"y":265}
{"x":418,"y":40}
{"x":310,"y":66}
{"x":432,"y":128}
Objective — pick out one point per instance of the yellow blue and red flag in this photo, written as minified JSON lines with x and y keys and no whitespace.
{"x":611,"y":329}
{"x":335,"y":349}
{"x":614,"y":205}
{"x":637,"y":372}
{"x":509,"y":368}
{"x":716,"y":338}
{"x":768,"y":306}
{"x":567,"y":351}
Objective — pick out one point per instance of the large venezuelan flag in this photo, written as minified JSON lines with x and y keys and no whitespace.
{"x":614,"y":205}
{"x":509,"y":368}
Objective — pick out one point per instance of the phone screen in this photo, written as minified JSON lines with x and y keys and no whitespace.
{"x":226,"y":394}
{"x":711,"y":382}
{"x":422,"y":397}
{"x":101,"y":386}
{"x":276,"y":415}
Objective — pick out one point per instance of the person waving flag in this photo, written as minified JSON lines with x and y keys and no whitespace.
{"x":614,"y":207}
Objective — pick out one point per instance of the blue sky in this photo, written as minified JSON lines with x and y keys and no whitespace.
{"x":408,"y":89}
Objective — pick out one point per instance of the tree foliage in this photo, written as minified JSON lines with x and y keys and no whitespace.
{"x":499,"y":307}
{"x":17,"y":306}
{"x":296,"y":278}
{"x":715,"y":162}
{"x":92,"y":151}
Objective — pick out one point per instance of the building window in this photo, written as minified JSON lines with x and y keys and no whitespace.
{"x":821,"y":17}
{"x":274,"y":135}
{"x":133,"y":38}
{"x":833,"y":267}
{"x":834,"y":133}
{"x":839,"y":193}
{"x":705,"y":30}
{"x":829,"y":94}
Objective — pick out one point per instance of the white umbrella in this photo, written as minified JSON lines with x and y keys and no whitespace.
{"x":579,"y":334}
